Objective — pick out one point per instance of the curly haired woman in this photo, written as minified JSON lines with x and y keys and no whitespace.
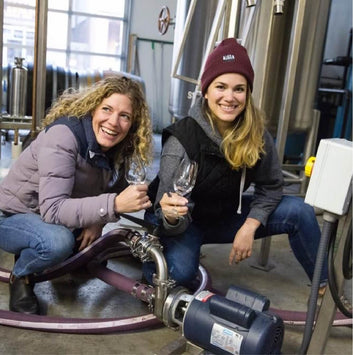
{"x":69,"y":182}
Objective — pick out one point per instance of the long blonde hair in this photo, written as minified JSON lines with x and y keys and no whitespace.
{"x":243,"y":143}
{"x":79,"y":104}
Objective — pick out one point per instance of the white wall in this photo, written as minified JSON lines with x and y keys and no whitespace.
{"x":154,"y":59}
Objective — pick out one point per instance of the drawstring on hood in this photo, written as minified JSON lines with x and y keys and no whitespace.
{"x":196,"y":112}
{"x":241,"y":188}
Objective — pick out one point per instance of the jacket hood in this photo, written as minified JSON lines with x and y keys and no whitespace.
{"x":196,"y":112}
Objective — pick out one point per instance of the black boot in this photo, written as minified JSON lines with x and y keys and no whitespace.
{"x":22,"y":296}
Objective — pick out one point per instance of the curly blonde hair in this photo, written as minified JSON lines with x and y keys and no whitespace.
{"x":78,"y":104}
{"x":243,"y":143}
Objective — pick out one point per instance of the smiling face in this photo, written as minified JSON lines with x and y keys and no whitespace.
{"x":112,"y":120}
{"x":226,"y":96}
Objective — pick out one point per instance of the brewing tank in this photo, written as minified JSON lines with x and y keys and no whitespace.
{"x":18,"y":87}
{"x":285,"y":48}
{"x":286,"y":51}
{"x":181,"y":91}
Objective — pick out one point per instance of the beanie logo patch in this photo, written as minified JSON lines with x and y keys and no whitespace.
{"x":228,"y":58}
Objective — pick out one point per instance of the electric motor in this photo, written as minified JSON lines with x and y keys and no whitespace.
{"x":236,"y":324}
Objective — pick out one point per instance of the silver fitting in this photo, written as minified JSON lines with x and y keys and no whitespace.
{"x":278,"y":7}
{"x":140,"y":245}
{"x":250,"y":3}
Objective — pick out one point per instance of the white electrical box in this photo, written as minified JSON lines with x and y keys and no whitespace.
{"x":330,"y":186}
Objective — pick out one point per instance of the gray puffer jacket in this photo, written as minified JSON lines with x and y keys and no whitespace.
{"x":63,"y":176}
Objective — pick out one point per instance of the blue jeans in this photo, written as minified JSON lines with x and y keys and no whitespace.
{"x":292,"y":216}
{"x":37,"y":244}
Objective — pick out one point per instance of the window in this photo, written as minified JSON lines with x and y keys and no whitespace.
{"x":85,"y":35}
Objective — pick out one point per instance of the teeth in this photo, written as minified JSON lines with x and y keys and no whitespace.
{"x":108,"y":131}
{"x":227,"y":108}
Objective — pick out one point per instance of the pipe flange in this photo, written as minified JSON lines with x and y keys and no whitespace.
{"x":173,"y":314}
{"x":141,"y":244}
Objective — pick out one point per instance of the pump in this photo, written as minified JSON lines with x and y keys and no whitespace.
{"x":238,"y":323}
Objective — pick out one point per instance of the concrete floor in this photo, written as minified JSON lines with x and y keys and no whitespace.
{"x":78,"y":295}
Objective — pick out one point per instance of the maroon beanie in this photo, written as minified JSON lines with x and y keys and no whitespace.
{"x":228,"y":57}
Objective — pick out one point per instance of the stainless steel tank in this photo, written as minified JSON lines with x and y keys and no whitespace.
{"x":88,"y":77}
{"x":286,"y":51}
{"x":18,"y":88}
{"x":285,"y":46}
{"x":181,"y":91}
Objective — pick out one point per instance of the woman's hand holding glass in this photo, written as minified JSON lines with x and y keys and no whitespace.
{"x":175,"y":204}
{"x":134,"y":198}
{"x":173,"y":207}
{"x":135,"y":170}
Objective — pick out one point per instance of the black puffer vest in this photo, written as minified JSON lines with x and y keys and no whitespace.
{"x":216,"y":192}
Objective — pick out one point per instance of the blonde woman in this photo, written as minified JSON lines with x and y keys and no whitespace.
{"x":69,"y":182}
{"x":225,"y":135}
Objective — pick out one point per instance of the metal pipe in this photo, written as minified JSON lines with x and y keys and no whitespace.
{"x":288,"y":89}
{"x":151,"y":40}
{"x":249,"y":23}
{"x":226,"y":20}
{"x":147,"y":247}
{"x":210,"y":42}
{"x":296,"y":180}
{"x":309,"y":151}
{"x":160,"y":280}
{"x":289,"y":174}
{"x":234,"y":19}
{"x":329,"y":229}
{"x":335,"y":91}
{"x":310,"y":148}
{"x":327,"y":314}
{"x":39,"y":64}
{"x":183,"y":39}
{"x":263,"y":52}
{"x":292,"y":166}
{"x":213,"y":33}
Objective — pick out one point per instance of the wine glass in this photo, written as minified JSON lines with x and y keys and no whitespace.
{"x":185,"y":178}
{"x":135,"y":171}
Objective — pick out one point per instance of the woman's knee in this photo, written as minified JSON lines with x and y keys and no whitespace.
{"x":183,"y":274}
{"x":295,"y":207}
{"x":60,"y":244}
{"x":302,"y":209}
{"x":296,"y":215}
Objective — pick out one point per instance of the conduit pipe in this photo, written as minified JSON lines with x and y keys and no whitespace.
{"x":329,"y":228}
{"x":121,"y":282}
{"x":160,"y":280}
